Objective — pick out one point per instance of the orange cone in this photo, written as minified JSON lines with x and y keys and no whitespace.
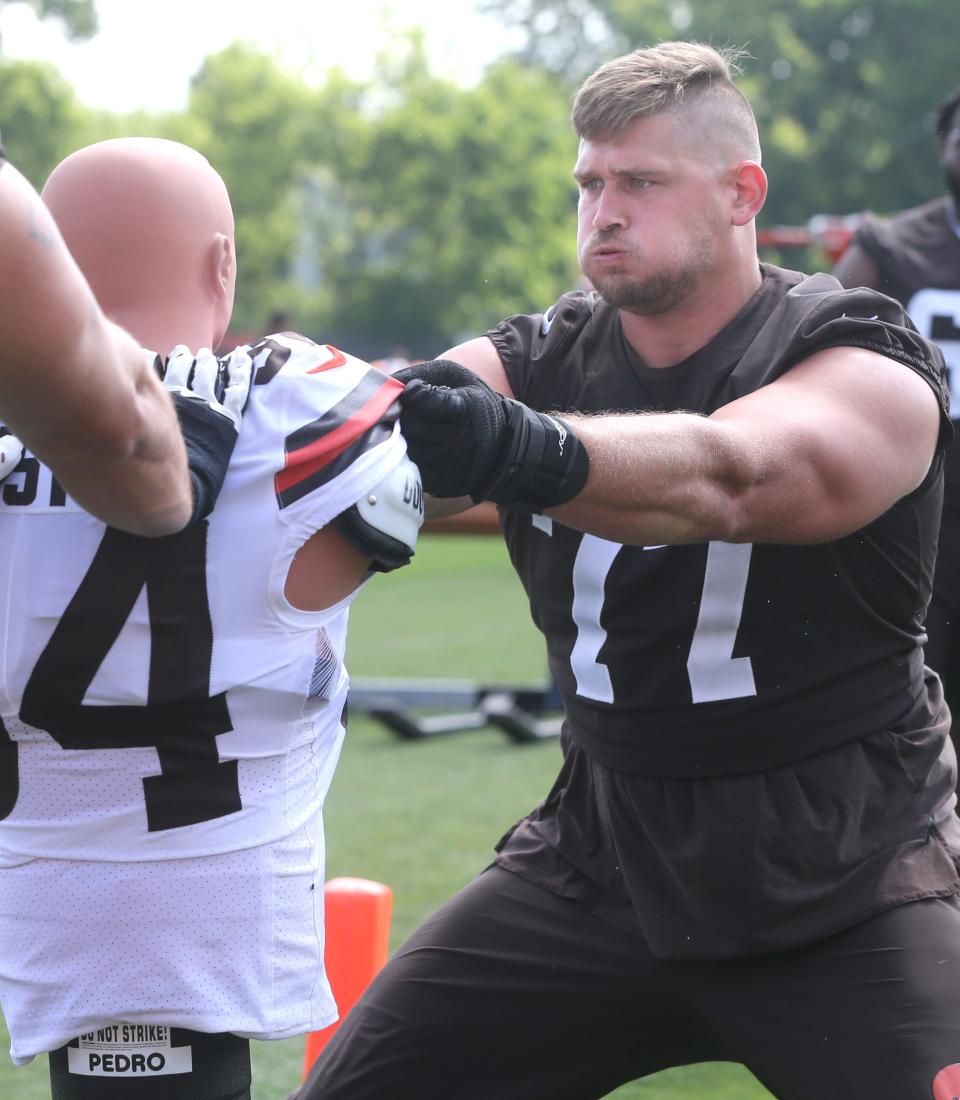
{"x":357,"y":930}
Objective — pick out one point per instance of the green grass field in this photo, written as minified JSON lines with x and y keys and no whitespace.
{"x":423,"y":816}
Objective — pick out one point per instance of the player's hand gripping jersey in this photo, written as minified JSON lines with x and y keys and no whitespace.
{"x":162,"y":701}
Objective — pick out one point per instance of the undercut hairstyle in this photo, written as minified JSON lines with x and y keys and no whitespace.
{"x":946,"y":109}
{"x":689,"y":79}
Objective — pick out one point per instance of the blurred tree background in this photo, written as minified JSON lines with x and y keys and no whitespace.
{"x":78,"y":17}
{"x":407,"y":211}
{"x":844,"y":91}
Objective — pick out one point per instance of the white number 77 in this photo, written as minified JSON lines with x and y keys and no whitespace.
{"x":713,"y":670}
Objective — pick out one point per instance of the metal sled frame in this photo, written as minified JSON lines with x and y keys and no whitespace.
{"x":524,"y":713}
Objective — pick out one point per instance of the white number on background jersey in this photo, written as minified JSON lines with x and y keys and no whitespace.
{"x":936,"y":313}
{"x":714,"y":672}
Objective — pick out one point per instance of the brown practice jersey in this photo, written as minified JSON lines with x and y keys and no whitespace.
{"x":753,"y":756}
{"x":718,"y":658}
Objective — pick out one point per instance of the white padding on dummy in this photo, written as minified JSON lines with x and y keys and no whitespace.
{"x":11,"y":451}
{"x":394,"y":507}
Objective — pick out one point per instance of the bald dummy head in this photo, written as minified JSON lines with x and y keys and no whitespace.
{"x":150,"y":225}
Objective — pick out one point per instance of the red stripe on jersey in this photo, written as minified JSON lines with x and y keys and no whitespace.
{"x":305,"y":461}
{"x":337,"y":360}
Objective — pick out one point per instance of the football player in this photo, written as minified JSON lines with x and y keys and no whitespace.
{"x":720,"y":484}
{"x":914,"y":257}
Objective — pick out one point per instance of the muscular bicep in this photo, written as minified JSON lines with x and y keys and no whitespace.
{"x":830,"y":446}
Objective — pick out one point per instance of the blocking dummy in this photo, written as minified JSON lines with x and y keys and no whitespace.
{"x":177,"y":705}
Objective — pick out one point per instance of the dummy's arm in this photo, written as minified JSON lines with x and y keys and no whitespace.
{"x":817,"y":454}
{"x":378,"y":533}
{"x":78,"y":390}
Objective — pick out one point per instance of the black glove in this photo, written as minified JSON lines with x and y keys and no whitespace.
{"x":209,"y":396}
{"x":469,"y":440}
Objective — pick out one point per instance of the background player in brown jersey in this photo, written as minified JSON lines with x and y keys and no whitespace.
{"x":749,"y":852}
{"x":78,"y":390}
{"x":914,"y":257}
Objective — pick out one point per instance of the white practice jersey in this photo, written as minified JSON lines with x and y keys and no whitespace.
{"x":170,"y":723}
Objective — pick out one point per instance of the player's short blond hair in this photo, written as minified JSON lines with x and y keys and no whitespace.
{"x":689,"y":79}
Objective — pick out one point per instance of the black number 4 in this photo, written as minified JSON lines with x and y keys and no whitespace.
{"x":180,"y":719}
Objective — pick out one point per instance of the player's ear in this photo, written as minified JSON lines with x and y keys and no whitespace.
{"x":223,"y":268}
{"x":222,"y":276}
{"x":750,"y":184}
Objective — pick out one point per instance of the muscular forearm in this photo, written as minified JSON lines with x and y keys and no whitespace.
{"x":76,"y":389}
{"x":127,"y":465}
{"x":100,"y":419}
{"x":662,"y":478}
{"x":813,"y":456}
